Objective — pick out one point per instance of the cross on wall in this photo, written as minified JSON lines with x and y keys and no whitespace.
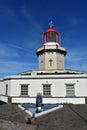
{"x":50,"y":62}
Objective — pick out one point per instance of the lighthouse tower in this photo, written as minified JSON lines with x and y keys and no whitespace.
{"x":51,"y":54}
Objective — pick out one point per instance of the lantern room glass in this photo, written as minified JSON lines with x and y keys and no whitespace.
{"x":50,"y":37}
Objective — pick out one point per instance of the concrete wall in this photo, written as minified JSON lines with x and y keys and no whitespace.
{"x":53,"y":51}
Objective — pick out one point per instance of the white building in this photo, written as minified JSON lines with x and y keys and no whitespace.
{"x":56,"y":84}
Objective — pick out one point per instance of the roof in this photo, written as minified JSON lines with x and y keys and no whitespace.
{"x":50,"y":30}
{"x":51,"y":72}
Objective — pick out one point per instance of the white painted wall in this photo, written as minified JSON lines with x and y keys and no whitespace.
{"x":2,"y":87}
{"x":50,"y":100}
{"x":8,"y":82}
{"x":4,"y":99}
{"x":35,"y":82}
{"x":58,"y":87}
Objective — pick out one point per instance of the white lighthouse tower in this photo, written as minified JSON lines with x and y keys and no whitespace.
{"x":51,"y":54}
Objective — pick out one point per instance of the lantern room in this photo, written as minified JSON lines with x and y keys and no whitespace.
{"x":51,"y":35}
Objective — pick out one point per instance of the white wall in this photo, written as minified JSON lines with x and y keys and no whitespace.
{"x":4,"y":99}
{"x":58,"y":87}
{"x":50,"y":100}
{"x":35,"y":82}
{"x":2,"y":87}
{"x":7,"y":82}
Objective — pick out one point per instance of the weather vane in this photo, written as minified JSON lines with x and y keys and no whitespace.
{"x":51,"y":23}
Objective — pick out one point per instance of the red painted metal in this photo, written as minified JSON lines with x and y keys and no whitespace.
{"x":51,"y":30}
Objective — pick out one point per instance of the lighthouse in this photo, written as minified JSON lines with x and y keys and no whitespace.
{"x":51,"y":53}
{"x":51,"y":83}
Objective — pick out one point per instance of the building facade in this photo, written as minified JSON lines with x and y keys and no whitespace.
{"x":56,"y":84}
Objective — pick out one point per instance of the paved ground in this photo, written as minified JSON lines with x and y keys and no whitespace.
{"x":72,"y":117}
{"x":12,"y":118}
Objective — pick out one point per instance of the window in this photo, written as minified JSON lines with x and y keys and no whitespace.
{"x":70,"y":91}
{"x":47,"y":90}
{"x":51,"y":37}
{"x":24,"y":90}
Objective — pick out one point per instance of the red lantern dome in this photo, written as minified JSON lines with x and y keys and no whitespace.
{"x":51,"y":35}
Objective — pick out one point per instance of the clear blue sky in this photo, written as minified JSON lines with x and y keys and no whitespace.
{"x":22,"y":23}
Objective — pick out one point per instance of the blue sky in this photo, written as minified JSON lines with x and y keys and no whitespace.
{"x":22,"y":23}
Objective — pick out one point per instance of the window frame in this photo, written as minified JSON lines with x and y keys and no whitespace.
{"x":47,"y":91}
{"x":24,"y":91}
{"x":70,"y":92}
